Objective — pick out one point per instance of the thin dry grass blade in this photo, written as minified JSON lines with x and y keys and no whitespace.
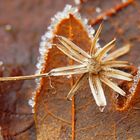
{"x":101,"y":53}
{"x":73,"y":52}
{"x":73,"y":47}
{"x":112,"y":85}
{"x":67,"y":68}
{"x":115,"y":64}
{"x":115,"y":71}
{"x":76,"y":86}
{"x":117,"y":76}
{"x":118,"y":53}
{"x":92,"y":49}
{"x":56,"y":72}
{"x":100,"y":91}
{"x":68,"y":53}
{"x":97,"y":91}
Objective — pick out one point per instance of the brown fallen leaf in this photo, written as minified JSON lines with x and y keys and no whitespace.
{"x":125,"y":25}
{"x":20,"y":32}
{"x":54,"y":114}
{"x":132,"y":89}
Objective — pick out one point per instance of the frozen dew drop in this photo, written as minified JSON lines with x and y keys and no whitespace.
{"x":124,"y":1}
{"x":33,"y":111}
{"x":49,"y":45}
{"x":116,"y":95}
{"x":39,"y":65}
{"x":31,"y":103}
{"x":50,"y":28}
{"x":42,"y":43}
{"x":37,"y":81}
{"x":105,"y":18}
{"x":77,"y":2}
{"x":98,"y":9}
{"x":85,"y":21}
{"x":68,"y":76}
{"x":132,"y":90}
{"x":1,"y":63}
{"x":48,"y":35}
{"x":98,"y":45}
{"x":92,"y":31}
{"x":136,"y":78}
{"x":138,"y":71}
{"x":58,"y":16}
{"x":67,"y":8}
{"x":43,"y":38}
{"x":75,"y":10}
{"x":8,"y":27}
{"x":42,"y":50}
{"x":101,"y":108}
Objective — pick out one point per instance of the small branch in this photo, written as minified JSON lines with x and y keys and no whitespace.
{"x":28,"y":77}
{"x":110,"y":12}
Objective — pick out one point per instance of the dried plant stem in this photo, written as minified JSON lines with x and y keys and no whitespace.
{"x":110,"y":12}
{"x":76,"y":86}
{"x":28,"y":77}
{"x":93,"y":45}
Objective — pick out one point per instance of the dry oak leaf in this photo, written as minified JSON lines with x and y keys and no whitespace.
{"x":53,"y":113}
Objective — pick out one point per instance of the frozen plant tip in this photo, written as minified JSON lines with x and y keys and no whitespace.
{"x":97,"y":65}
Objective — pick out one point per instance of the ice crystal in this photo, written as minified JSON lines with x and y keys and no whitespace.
{"x":136,"y":80}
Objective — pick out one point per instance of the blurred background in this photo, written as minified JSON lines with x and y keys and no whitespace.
{"x":22,"y":23}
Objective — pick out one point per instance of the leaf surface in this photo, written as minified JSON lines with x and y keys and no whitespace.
{"x":53,"y":111}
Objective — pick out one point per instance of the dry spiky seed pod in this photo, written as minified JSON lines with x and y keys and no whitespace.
{"x":95,"y":66}
{"x":98,"y":66}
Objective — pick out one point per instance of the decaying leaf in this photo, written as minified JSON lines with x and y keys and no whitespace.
{"x":90,"y":123}
{"x":54,"y":113}
{"x":132,"y":89}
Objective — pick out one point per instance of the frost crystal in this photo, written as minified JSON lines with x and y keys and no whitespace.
{"x":31,"y":103}
{"x":136,"y":80}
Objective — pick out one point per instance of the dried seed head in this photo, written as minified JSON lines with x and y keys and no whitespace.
{"x":93,"y":66}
